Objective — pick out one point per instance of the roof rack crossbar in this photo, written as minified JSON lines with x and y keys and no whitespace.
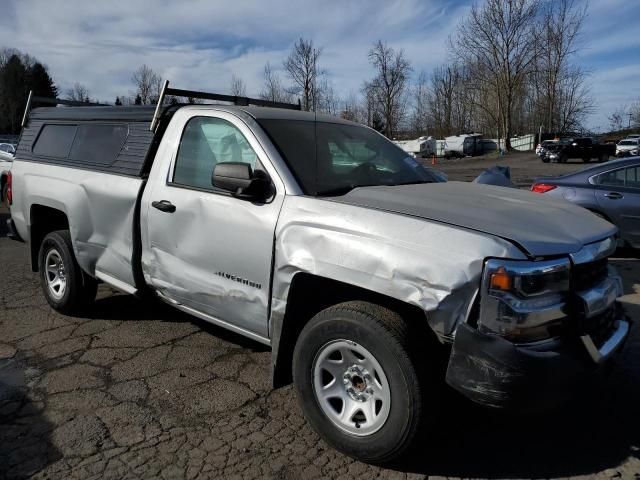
{"x":243,"y":101}
{"x":52,"y":101}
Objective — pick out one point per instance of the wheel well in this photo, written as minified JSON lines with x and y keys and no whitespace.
{"x":309,"y":295}
{"x":44,"y":220}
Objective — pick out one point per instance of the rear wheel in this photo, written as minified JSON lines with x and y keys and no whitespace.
{"x":562,"y":159}
{"x":603,"y":158}
{"x":545,"y":159}
{"x":357,"y":381}
{"x":586,"y":159}
{"x":66,"y":287}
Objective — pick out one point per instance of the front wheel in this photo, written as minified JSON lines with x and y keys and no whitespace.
{"x":357,"y":382}
{"x":66,"y":287}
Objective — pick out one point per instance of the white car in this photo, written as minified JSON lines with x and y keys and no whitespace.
{"x":625,"y":146}
{"x":7,"y":148}
{"x":6,"y":161}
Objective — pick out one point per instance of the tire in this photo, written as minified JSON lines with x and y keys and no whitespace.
{"x":603,"y":158}
{"x":562,"y":159}
{"x":545,"y":159}
{"x":586,"y":160}
{"x":75,"y":290}
{"x":375,"y":341}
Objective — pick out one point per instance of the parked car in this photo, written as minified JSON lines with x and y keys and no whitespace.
{"x":320,"y":238}
{"x":6,"y":161}
{"x":7,"y":148}
{"x":584,"y":148}
{"x":626,"y":146}
{"x":611,"y":191}
{"x":541,"y":147}
{"x":633,"y":135}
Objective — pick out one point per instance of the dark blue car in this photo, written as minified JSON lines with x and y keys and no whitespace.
{"x":611,"y":190}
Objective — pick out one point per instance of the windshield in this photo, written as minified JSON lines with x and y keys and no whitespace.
{"x":626,"y":142}
{"x":334,"y":158}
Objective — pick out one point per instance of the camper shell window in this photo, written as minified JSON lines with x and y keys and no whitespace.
{"x":94,"y":144}
{"x":55,"y":140}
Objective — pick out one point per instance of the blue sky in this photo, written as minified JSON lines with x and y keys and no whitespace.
{"x":200,"y":44}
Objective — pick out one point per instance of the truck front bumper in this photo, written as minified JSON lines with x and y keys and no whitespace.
{"x":495,"y":372}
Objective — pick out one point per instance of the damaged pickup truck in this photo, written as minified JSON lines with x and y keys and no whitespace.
{"x":370,"y":281}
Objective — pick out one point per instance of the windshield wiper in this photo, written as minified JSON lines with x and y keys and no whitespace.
{"x":415,"y":182}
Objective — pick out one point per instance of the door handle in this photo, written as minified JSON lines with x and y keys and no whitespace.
{"x":614,"y":195}
{"x":164,"y":206}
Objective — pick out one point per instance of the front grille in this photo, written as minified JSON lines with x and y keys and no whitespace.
{"x":587,"y":275}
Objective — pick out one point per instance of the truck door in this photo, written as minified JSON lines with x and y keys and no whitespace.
{"x":618,"y":194}
{"x":205,"y":248}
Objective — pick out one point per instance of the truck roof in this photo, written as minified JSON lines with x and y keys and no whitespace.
{"x":138,"y":113}
{"x":144,"y":113}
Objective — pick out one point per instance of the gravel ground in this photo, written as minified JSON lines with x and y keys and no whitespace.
{"x":139,"y":390}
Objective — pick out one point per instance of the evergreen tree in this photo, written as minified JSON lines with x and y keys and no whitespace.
{"x":41,"y":83}
{"x":118,"y":102}
{"x":14,"y":90}
{"x":138,"y":100}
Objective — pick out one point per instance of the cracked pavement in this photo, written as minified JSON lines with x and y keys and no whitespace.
{"x":138,"y":390}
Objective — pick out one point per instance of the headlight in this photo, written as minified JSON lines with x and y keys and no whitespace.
{"x":524,"y":301}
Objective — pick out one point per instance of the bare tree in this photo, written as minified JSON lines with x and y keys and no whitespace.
{"x":302,"y":67}
{"x":557,"y":38}
{"x":148,"y":84}
{"x":617,"y":118}
{"x":327,"y":99}
{"x":352,"y":109}
{"x":389,"y":86}
{"x":420,"y":118}
{"x":272,"y":89}
{"x":497,"y":43}
{"x":574,"y":102}
{"x":78,"y":93}
{"x":238,"y":87}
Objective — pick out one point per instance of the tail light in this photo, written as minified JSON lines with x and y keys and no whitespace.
{"x":542,"y":187}
{"x":9,"y":188}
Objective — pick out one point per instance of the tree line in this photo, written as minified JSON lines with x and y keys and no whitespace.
{"x":511,"y":71}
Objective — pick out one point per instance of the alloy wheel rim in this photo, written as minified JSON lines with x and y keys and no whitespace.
{"x":351,"y":387}
{"x":56,"y":275}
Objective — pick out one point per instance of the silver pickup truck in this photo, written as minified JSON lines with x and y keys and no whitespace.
{"x":371,"y":282}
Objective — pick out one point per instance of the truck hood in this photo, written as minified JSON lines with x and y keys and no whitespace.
{"x":538,"y":224}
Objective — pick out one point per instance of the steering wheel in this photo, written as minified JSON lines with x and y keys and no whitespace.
{"x":367,"y":170}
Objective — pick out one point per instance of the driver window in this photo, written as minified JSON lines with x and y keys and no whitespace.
{"x":205,"y":142}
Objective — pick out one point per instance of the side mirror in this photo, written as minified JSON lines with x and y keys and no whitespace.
{"x":239,"y":179}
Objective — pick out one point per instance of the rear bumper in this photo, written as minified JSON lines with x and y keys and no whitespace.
{"x":495,"y":372}
{"x":12,"y":232}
